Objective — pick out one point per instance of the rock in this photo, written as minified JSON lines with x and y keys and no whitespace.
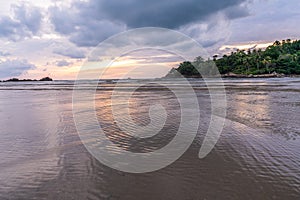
{"x":12,"y":80}
{"x":46,"y":79}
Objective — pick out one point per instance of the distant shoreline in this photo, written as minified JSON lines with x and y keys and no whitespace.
{"x":223,"y":76}
{"x":27,"y":80}
{"x":243,"y":76}
{"x":273,"y":75}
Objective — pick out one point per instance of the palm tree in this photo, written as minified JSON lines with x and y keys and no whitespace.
{"x":267,"y":61}
{"x":215,"y":57}
{"x":276,"y":43}
{"x":246,"y":63}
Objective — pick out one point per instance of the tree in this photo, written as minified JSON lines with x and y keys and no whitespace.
{"x":267,"y":62}
{"x":276,"y":43}
{"x":282,"y":57}
{"x":198,"y":60}
{"x":187,"y":69}
{"x":215,"y":57}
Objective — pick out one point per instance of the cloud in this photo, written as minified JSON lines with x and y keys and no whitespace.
{"x":28,"y":16}
{"x":226,"y":49}
{"x":94,"y":32}
{"x":63,"y":63}
{"x":87,"y":23}
{"x":14,"y":68}
{"x":81,"y":26}
{"x":237,"y":11}
{"x":150,"y":56}
{"x":211,"y":33}
{"x":269,"y":21}
{"x":70,"y":52}
{"x":169,"y":13}
{"x":26,"y":22}
{"x":4,"y":54}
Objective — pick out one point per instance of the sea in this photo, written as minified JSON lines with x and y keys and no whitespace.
{"x":257,"y":155}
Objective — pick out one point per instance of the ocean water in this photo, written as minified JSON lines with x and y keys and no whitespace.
{"x":256,"y":157}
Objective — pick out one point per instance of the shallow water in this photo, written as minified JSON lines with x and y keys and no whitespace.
{"x":256,"y":157}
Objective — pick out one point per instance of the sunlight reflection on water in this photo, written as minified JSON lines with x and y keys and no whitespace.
{"x":257,"y":156}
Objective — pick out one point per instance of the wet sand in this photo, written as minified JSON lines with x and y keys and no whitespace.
{"x":256,"y":157}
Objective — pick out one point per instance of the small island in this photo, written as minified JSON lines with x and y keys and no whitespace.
{"x":27,"y":80}
{"x":278,"y":60}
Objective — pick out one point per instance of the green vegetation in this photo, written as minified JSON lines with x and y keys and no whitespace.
{"x":192,"y":69}
{"x":280,"y":58}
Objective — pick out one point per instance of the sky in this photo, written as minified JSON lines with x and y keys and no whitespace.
{"x":54,"y":38}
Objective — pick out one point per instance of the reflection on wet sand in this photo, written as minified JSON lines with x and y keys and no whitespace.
{"x":250,"y":108}
{"x":257,"y":156}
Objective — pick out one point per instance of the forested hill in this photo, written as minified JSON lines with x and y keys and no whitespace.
{"x":281,"y":58}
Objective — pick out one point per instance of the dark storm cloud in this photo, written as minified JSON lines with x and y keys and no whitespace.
{"x":82,"y":25}
{"x":14,"y":68}
{"x":25,"y":22}
{"x":88,"y":23}
{"x":168,"y":13}
{"x":94,"y":32}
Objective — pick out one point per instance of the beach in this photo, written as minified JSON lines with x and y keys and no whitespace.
{"x":256,"y":157}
